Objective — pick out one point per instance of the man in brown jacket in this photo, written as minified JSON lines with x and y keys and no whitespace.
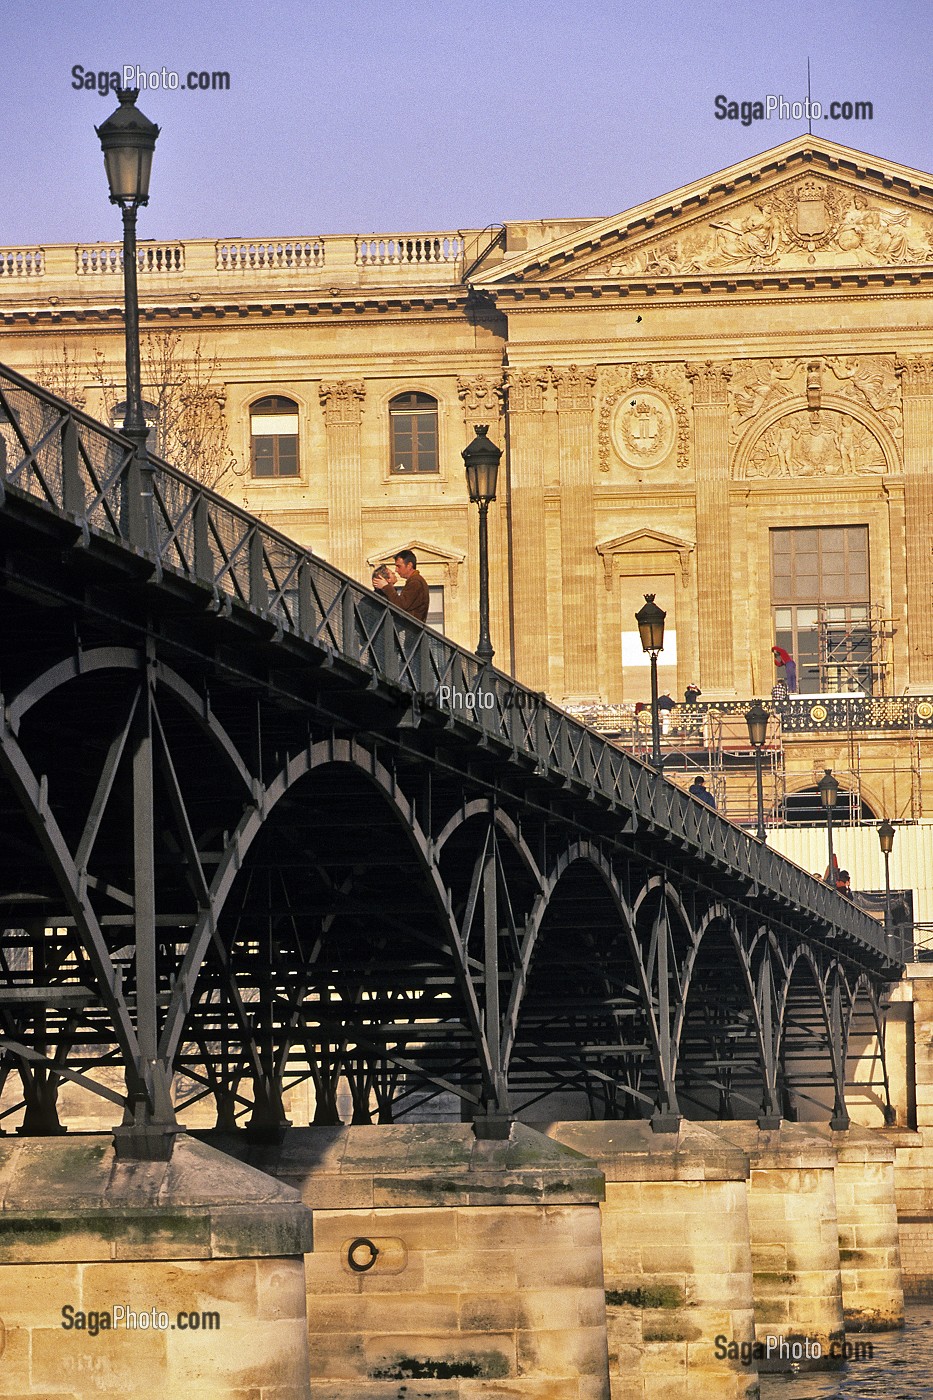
{"x":414,"y":597}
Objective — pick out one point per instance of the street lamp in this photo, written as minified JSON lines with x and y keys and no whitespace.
{"x":756,"y":717}
{"x":828,"y":789}
{"x":128,"y":140}
{"x":650,"y":619}
{"x":886,"y":838}
{"x":481,"y":459}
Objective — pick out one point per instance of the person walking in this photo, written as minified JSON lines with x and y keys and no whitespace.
{"x":699,"y":790}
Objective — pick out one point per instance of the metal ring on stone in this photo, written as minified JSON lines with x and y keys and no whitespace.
{"x":361,"y":1243}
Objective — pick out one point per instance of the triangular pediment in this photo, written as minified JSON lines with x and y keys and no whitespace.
{"x":631,"y":551}
{"x":434,"y":561}
{"x":808,"y":205}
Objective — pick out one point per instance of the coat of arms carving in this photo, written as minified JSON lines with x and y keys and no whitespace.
{"x":812,"y":213}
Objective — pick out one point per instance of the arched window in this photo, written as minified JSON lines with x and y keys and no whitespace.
{"x":413,"y":429}
{"x":273,"y":427}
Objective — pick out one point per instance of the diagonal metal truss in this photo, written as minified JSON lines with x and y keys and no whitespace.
{"x":251,"y":838}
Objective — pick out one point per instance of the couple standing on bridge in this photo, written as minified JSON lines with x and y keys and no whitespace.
{"x":413,"y":597}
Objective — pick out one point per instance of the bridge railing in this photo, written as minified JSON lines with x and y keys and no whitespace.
{"x":88,"y":473}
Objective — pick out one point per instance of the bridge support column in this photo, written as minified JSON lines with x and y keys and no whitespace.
{"x":676,"y":1258}
{"x":913,"y":1093}
{"x":467,"y":1267}
{"x":795,"y":1243}
{"x":85,"y":1235}
{"x":869,"y":1248}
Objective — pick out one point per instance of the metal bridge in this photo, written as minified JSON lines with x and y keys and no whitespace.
{"x":258,"y":827}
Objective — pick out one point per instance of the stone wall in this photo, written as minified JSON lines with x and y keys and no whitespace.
{"x":474,"y":1268}
{"x":204,"y":1252}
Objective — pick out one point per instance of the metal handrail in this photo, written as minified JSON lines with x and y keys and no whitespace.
{"x":66,"y":462}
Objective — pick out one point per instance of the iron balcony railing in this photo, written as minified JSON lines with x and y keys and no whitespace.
{"x":798,"y":714}
{"x":67,"y":463}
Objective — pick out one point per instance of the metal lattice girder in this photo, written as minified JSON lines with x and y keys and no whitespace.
{"x":278,"y":846}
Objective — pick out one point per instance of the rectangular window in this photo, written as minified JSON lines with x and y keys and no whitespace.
{"x":821,"y":605}
{"x":435,"y":617}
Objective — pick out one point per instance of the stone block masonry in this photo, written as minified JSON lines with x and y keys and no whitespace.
{"x":204,"y":1253}
{"x":446,"y":1266}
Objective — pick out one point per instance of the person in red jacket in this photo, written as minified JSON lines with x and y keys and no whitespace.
{"x":784,"y":658}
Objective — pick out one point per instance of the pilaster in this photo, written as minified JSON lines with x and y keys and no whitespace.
{"x":526,"y":405}
{"x":482,"y":400}
{"x":710,"y":381}
{"x":342,"y":402}
{"x":916,"y":376}
{"x":575,"y":390}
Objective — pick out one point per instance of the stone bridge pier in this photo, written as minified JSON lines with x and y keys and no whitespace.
{"x":569,"y":1261}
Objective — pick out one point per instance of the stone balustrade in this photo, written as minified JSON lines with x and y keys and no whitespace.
{"x":22,"y":262}
{"x":106,"y":259}
{"x":404,"y":249}
{"x":238,"y":255}
{"x":202,"y":268}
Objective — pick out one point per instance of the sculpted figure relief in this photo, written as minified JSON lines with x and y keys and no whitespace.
{"x":805,"y":222}
{"x":828,"y":443}
{"x":867,"y":380}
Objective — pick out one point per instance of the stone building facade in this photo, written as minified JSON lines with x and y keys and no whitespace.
{"x":723,"y":397}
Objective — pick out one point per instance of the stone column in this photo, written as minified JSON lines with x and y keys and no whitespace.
{"x":795,"y":1244}
{"x":714,"y":544}
{"x":445,"y":1266}
{"x":916,"y":376}
{"x":526,"y":403}
{"x":342,"y":403}
{"x":676,"y":1259}
{"x":201,"y":1235}
{"x":575,"y":389}
{"x":913,"y":1171}
{"x":869,"y":1249}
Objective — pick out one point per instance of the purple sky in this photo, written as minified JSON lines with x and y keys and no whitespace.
{"x":353,"y":116}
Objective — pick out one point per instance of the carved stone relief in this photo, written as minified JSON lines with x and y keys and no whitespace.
{"x":804,"y":222}
{"x":527,"y":389}
{"x":825,"y":442}
{"x":643,"y":418}
{"x":481,"y":398}
{"x":869,"y":381}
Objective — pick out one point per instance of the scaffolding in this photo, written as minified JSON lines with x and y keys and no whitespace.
{"x":854,"y":654}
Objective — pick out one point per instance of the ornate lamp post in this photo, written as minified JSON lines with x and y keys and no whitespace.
{"x":128,"y":140}
{"x":481,"y":459}
{"x":756,"y":717}
{"x":886,"y":838}
{"x":650,"y":619}
{"x":828,"y":789}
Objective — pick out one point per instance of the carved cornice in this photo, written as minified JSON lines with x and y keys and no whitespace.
{"x":576,"y":389}
{"x":527,"y":388}
{"x":916,"y":374}
{"x":342,"y":402}
{"x":710,"y":379}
